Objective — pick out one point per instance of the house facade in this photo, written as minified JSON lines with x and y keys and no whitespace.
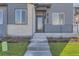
{"x":26,"y":19}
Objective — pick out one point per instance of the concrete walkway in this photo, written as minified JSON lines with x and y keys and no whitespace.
{"x":38,"y":46}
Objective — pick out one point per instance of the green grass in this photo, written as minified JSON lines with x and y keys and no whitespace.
{"x":56,"y":48}
{"x":14,"y":49}
{"x":71,"y":49}
{"x":64,"y":49}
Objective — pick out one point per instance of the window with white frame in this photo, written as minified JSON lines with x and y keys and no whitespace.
{"x":20,"y":16}
{"x":58,"y":18}
{"x":1,"y":16}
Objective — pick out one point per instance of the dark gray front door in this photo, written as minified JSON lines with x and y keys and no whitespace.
{"x":39,"y":24}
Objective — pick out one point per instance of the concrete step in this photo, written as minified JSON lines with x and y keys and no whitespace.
{"x":40,"y":35}
{"x":38,"y":44}
{"x":43,"y":37}
{"x":38,"y":40}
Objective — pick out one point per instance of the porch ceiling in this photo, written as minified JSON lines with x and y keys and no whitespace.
{"x":43,"y":5}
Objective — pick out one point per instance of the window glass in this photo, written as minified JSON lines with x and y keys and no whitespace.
{"x":61,"y":18}
{"x":17,"y":16}
{"x":1,"y":16}
{"x":20,"y":16}
{"x":55,"y":18}
{"x":58,"y":18}
{"x":23,"y":16}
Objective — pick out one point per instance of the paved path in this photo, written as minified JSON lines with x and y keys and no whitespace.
{"x":38,"y":46}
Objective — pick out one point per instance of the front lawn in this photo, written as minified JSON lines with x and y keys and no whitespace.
{"x":14,"y":49}
{"x":71,"y":49}
{"x":64,"y":49}
{"x":56,"y":47}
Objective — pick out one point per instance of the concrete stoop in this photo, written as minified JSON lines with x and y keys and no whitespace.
{"x":38,"y":46}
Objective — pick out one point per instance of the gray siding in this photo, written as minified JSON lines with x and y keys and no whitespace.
{"x":20,"y":30}
{"x":58,"y":28}
{"x":11,"y":11}
{"x":67,"y":8}
{"x":3,"y":27}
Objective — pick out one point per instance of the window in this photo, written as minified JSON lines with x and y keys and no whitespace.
{"x":77,"y":10}
{"x":76,"y":15}
{"x":1,"y":16}
{"x":20,"y":16}
{"x":58,"y":18}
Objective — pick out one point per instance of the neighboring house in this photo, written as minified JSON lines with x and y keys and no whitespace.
{"x":24,"y":20}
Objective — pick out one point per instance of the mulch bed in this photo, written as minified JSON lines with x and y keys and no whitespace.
{"x":72,"y":39}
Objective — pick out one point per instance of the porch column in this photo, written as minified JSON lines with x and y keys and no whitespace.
{"x":34,"y":18}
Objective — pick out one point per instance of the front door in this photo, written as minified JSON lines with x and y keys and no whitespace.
{"x":40,"y":24}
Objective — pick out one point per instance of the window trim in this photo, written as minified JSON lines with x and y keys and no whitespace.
{"x":59,"y":16}
{"x":26,"y":17}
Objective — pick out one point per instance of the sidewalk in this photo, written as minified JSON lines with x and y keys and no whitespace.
{"x":38,"y":47}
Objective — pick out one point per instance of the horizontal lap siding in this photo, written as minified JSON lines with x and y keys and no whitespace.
{"x":3,"y":30}
{"x":3,"y":27}
{"x":52,"y":29}
{"x":58,"y":28}
{"x":11,"y":11}
{"x":67,"y":8}
{"x":19,"y":30}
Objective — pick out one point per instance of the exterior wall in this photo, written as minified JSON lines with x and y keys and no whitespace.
{"x":67,"y":8}
{"x":3,"y":27}
{"x":28,"y":29}
{"x":11,"y":11}
{"x":19,"y":30}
